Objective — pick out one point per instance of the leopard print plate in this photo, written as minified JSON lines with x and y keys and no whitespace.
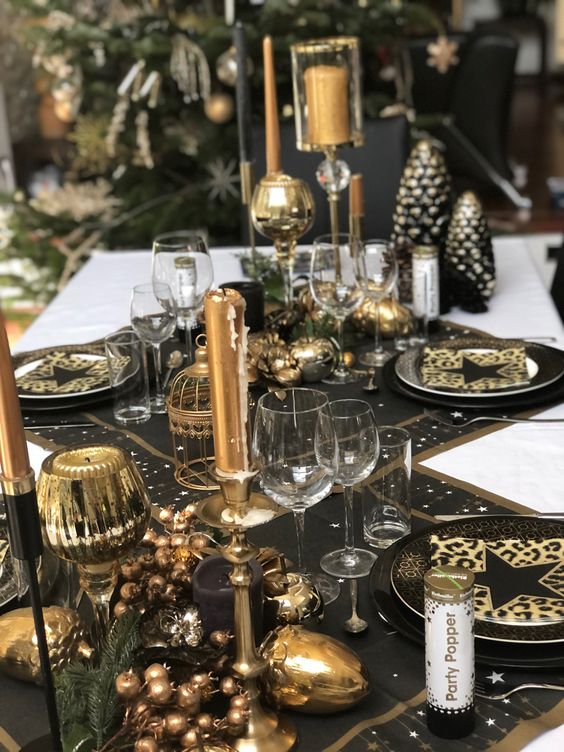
{"x":505,"y":533}
{"x":545,"y":367}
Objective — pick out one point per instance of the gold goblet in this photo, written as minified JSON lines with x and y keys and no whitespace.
{"x":283,"y":210}
{"x":95,"y":509}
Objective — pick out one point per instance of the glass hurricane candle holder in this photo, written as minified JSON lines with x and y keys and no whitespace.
{"x":326,"y":76}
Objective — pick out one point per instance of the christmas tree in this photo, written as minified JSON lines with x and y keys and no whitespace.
{"x":144,"y":93}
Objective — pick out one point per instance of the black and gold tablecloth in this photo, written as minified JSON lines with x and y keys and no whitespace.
{"x":392,"y":717}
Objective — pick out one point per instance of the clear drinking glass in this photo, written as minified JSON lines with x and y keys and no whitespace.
{"x":294,"y":446}
{"x":358,"y":449}
{"x":380,"y":270}
{"x":153,"y":317}
{"x":181,"y":260}
{"x":127,"y":368}
{"x":336,"y":279}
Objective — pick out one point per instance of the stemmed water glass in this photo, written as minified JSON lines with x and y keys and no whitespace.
{"x":181,"y":260}
{"x":379,"y":271}
{"x":358,"y":450}
{"x":294,"y":446}
{"x":153,"y":317}
{"x":336,"y":285}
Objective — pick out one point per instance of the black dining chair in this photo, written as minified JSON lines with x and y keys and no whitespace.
{"x":381,"y":161}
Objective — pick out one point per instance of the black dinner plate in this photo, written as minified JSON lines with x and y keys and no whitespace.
{"x":553,"y":392}
{"x":492,"y":653}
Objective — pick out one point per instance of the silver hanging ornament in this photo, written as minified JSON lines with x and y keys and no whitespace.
{"x":189,"y":68}
{"x":226,"y":67}
{"x":469,"y":261}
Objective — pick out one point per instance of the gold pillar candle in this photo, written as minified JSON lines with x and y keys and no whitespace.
{"x":14,"y":458}
{"x":272,"y":126}
{"x":327,"y":98}
{"x":227,"y":358}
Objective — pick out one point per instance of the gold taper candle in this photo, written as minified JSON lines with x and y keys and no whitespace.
{"x":14,"y":457}
{"x":356,"y":206}
{"x":272,"y":126}
{"x":227,"y":358}
{"x":327,"y":98}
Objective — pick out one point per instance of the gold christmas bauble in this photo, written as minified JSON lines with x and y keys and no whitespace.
{"x":226,"y":67}
{"x":219,"y":108}
{"x":19,"y":656}
{"x":315,"y":357}
{"x":394,"y":318}
{"x":311,"y":672}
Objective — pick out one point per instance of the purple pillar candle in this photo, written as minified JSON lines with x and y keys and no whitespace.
{"x":213,"y":593}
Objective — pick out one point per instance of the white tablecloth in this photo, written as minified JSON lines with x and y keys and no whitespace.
{"x":523,"y":463}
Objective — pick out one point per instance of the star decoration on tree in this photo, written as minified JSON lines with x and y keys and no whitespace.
{"x":223,"y":179}
{"x":442,"y":54}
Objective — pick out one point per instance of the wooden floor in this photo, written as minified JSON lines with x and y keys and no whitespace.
{"x":536,"y":141}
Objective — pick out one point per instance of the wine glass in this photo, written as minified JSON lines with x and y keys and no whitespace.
{"x":153,"y":317}
{"x":379,"y":269}
{"x":358,"y":450}
{"x":294,"y":446}
{"x":335,"y":282}
{"x":181,"y":260}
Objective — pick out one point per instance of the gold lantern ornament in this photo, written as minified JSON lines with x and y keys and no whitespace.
{"x":190,"y":423}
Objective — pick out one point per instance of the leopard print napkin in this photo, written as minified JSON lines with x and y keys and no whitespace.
{"x":470,"y":370}
{"x":517,"y":581}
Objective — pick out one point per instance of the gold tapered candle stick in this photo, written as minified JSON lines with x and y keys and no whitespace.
{"x":236,"y":508}
{"x":356,"y":207}
{"x":272,"y":126}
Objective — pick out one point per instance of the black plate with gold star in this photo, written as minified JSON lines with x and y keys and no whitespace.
{"x":508,"y":579}
{"x":509,"y":400}
{"x":475,"y":367}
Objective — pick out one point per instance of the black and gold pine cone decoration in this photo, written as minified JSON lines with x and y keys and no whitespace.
{"x":469,"y":263}
{"x":423,"y":207}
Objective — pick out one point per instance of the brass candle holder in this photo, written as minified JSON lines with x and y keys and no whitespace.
{"x":326,"y":77}
{"x":236,"y":509}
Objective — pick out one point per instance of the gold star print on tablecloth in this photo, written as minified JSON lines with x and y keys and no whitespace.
{"x":442,"y":54}
{"x":61,"y":373}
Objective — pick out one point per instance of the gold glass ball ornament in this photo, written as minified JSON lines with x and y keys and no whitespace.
{"x":299,"y":602}
{"x":219,"y":108}
{"x":311,"y":672}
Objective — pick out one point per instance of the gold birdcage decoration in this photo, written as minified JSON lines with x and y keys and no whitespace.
{"x":190,"y":423}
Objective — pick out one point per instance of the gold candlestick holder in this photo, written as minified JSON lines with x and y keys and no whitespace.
{"x":236,"y":509}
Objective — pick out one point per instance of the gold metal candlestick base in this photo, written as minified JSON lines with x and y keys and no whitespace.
{"x":236,"y":509}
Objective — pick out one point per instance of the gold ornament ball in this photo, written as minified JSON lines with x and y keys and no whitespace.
{"x":132,"y":570}
{"x":163,"y":558}
{"x":348,"y":359}
{"x":155,"y":671}
{"x":229,"y":686}
{"x":220,"y":638}
{"x":128,"y":685}
{"x":159,"y":691}
{"x":166,"y":515}
{"x":146,"y":744}
{"x":162,"y":540}
{"x":190,"y":739}
{"x":176,"y":723}
{"x":149,"y":538}
{"x":219,"y":108}
{"x":120,"y":609}
{"x":188,"y":698}
{"x":204,"y":721}
{"x":235,"y":717}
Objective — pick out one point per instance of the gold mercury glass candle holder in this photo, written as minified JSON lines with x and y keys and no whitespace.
{"x":283,"y":210}
{"x":326,"y":77}
{"x":95,"y":510}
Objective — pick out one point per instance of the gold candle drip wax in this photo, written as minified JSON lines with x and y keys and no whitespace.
{"x":327,"y":98}
{"x":227,"y":357}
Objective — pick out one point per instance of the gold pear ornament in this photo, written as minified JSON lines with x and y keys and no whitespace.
{"x":66,"y":641}
{"x":312,"y":673}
